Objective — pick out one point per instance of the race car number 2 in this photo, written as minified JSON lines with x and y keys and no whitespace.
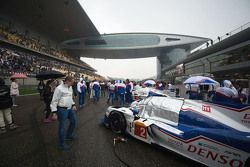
{"x":141,"y":131}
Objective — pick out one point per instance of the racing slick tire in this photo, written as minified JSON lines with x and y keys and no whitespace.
{"x":117,"y":122}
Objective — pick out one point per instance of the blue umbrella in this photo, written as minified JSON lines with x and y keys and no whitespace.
{"x":200,"y":80}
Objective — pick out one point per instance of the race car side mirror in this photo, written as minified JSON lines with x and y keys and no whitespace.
{"x":136,"y":117}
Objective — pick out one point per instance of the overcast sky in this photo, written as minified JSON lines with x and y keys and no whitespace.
{"x":205,"y":18}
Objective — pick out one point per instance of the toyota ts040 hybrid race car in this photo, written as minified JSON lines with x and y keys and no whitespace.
{"x":209,"y":133}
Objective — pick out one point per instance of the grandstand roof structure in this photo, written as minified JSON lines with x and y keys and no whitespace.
{"x":59,"y":19}
{"x":66,"y":22}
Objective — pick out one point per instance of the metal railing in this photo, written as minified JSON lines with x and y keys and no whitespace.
{"x":220,"y":38}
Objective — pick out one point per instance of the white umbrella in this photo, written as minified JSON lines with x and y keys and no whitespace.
{"x":200,"y":80}
{"x":149,"y":83}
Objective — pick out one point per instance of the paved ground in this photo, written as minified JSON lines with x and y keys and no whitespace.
{"x":34,"y":143}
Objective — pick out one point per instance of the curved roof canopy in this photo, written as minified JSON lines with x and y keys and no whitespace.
{"x":131,"y":45}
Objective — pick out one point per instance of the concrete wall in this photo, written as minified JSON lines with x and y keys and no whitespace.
{"x":26,"y":82}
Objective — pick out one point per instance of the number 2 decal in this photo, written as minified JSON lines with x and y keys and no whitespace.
{"x":141,"y":131}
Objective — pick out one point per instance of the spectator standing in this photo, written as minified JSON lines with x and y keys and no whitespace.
{"x":211,"y":92}
{"x":5,"y":108}
{"x":137,"y":86}
{"x":193,"y":91}
{"x":63,"y":107}
{"x":207,"y":44}
{"x":40,"y":88}
{"x":129,"y":89}
{"x":47,"y":96}
{"x":103,"y":89}
{"x":14,"y":91}
{"x":212,"y":42}
{"x":121,"y":89}
{"x":243,"y":95}
{"x":81,"y":87}
{"x":74,"y":87}
{"x":88,"y":88}
{"x":218,"y":38}
{"x":111,"y":90}
{"x":96,"y":88}
{"x":227,"y":93}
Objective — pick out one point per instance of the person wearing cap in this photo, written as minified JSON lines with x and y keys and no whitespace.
{"x":63,"y":107}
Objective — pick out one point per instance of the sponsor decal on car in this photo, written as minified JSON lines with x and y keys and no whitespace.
{"x":206,"y":108}
{"x":175,"y":143}
{"x":214,"y":156}
{"x":208,"y":146}
{"x":246,"y":119}
{"x":140,"y":130}
{"x":247,"y":116}
{"x":232,"y":153}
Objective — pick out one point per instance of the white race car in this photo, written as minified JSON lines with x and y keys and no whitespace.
{"x":209,"y":133}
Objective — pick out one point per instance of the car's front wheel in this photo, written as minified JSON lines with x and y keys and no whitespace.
{"x":117,"y":122}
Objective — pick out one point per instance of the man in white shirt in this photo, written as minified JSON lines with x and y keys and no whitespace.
{"x":81,"y":86}
{"x":63,"y":107}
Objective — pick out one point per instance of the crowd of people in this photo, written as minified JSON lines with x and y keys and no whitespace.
{"x":114,"y":91}
{"x":226,"y":93}
{"x":12,"y":61}
{"x":120,"y":91}
{"x":24,"y":39}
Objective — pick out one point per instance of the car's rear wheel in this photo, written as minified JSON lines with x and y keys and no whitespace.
{"x":117,"y":122}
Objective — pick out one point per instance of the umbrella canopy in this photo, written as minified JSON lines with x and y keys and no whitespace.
{"x":149,"y":83}
{"x":200,"y":80}
{"x":19,"y":76}
{"x":49,"y":75}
